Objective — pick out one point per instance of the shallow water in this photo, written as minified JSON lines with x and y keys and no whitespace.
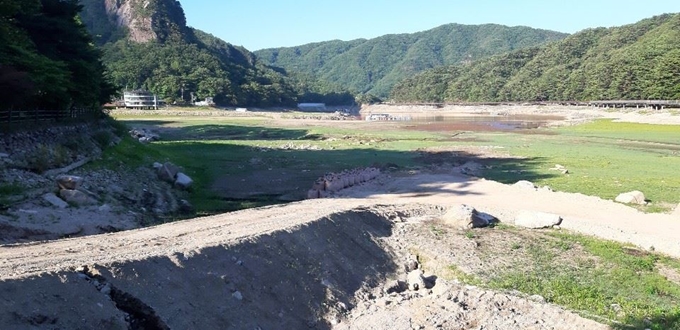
{"x":481,"y":123}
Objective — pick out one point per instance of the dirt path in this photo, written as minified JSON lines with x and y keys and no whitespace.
{"x":585,"y":214}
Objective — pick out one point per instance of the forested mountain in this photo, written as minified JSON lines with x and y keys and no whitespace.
{"x":147,"y":44}
{"x":47,"y":60}
{"x":375,"y":65}
{"x":637,"y":61}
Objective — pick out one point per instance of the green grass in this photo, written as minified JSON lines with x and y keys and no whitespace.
{"x":8,"y":192}
{"x":602,"y":158}
{"x":614,"y":274}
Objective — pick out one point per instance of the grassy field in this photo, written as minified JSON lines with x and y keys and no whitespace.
{"x":603,"y":158}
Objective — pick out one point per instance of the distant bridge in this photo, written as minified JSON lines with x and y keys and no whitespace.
{"x":654,"y":104}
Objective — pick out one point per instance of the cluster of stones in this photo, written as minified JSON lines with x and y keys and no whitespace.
{"x":20,"y":150}
{"x":143,"y":135}
{"x":170,"y":173}
{"x":70,"y":191}
{"x":334,"y":182}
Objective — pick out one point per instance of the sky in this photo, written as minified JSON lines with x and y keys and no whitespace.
{"x":258,"y":24}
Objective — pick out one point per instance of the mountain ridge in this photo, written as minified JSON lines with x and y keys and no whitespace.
{"x":375,"y":65}
{"x":634,"y":61}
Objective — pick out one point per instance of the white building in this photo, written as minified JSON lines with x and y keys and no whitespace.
{"x":140,"y":99}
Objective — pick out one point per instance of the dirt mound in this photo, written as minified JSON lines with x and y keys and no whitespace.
{"x":316,"y":264}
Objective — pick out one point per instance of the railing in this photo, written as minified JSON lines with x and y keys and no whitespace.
{"x":28,"y":116}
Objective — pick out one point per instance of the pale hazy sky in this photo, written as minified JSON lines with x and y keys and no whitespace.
{"x":257,"y":24}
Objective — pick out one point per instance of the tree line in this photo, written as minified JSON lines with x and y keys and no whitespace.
{"x":47,"y":58}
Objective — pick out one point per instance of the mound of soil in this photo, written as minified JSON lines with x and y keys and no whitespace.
{"x":316,"y":264}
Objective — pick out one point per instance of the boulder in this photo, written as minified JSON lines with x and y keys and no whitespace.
{"x":70,"y":182}
{"x":183,"y":181}
{"x":415,"y":280}
{"x":537,"y":220}
{"x":77,"y":197}
{"x":168,"y":172}
{"x":319,"y":185}
{"x":313,"y":194}
{"x":185,"y":206}
{"x":466,"y":217}
{"x":55,"y":201}
{"x":632,"y":197}
{"x":523,"y":184}
{"x":411,"y":263}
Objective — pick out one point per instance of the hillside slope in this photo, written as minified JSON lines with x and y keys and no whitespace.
{"x":636,"y":61}
{"x":147,"y":44}
{"x":375,"y":65}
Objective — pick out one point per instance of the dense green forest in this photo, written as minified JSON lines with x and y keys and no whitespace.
{"x":374,"y":66}
{"x":47,"y":60}
{"x":637,"y":61}
{"x":181,"y":62}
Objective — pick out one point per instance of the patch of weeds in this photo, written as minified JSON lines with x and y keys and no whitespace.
{"x":470,"y":234}
{"x":103,"y":138}
{"x":560,"y":244}
{"x":438,"y":232}
{"x":515,"y":246}
{"x":132,"y":153}
{"x":502,"y":226}
{"x":655,"y":207}
{"x":612,"y":274}
{"x":62,"y":156}
{"x":10,"y":190}
{"x":39,"y":160}
{"x":455,"y":273}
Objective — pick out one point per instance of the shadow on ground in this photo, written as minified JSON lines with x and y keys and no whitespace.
{"x":290,"y":279}
{"x":283,"y":167}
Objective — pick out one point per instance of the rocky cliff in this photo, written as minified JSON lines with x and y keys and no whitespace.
{"x":139,"y":20}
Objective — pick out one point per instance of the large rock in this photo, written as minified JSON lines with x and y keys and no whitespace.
{"x":70,"y":182}
{"x":536,"y":220}
{"x":183,"y":181}
{"x":466,"y":217}
{"x":313,"y":194}
{"x":55,"y":201}
{"x":168,"y":172}
{"x":523,"y":184}
{"x":415,"y":280}
{"x":632,"y":197}
{"x":77,"y":197}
